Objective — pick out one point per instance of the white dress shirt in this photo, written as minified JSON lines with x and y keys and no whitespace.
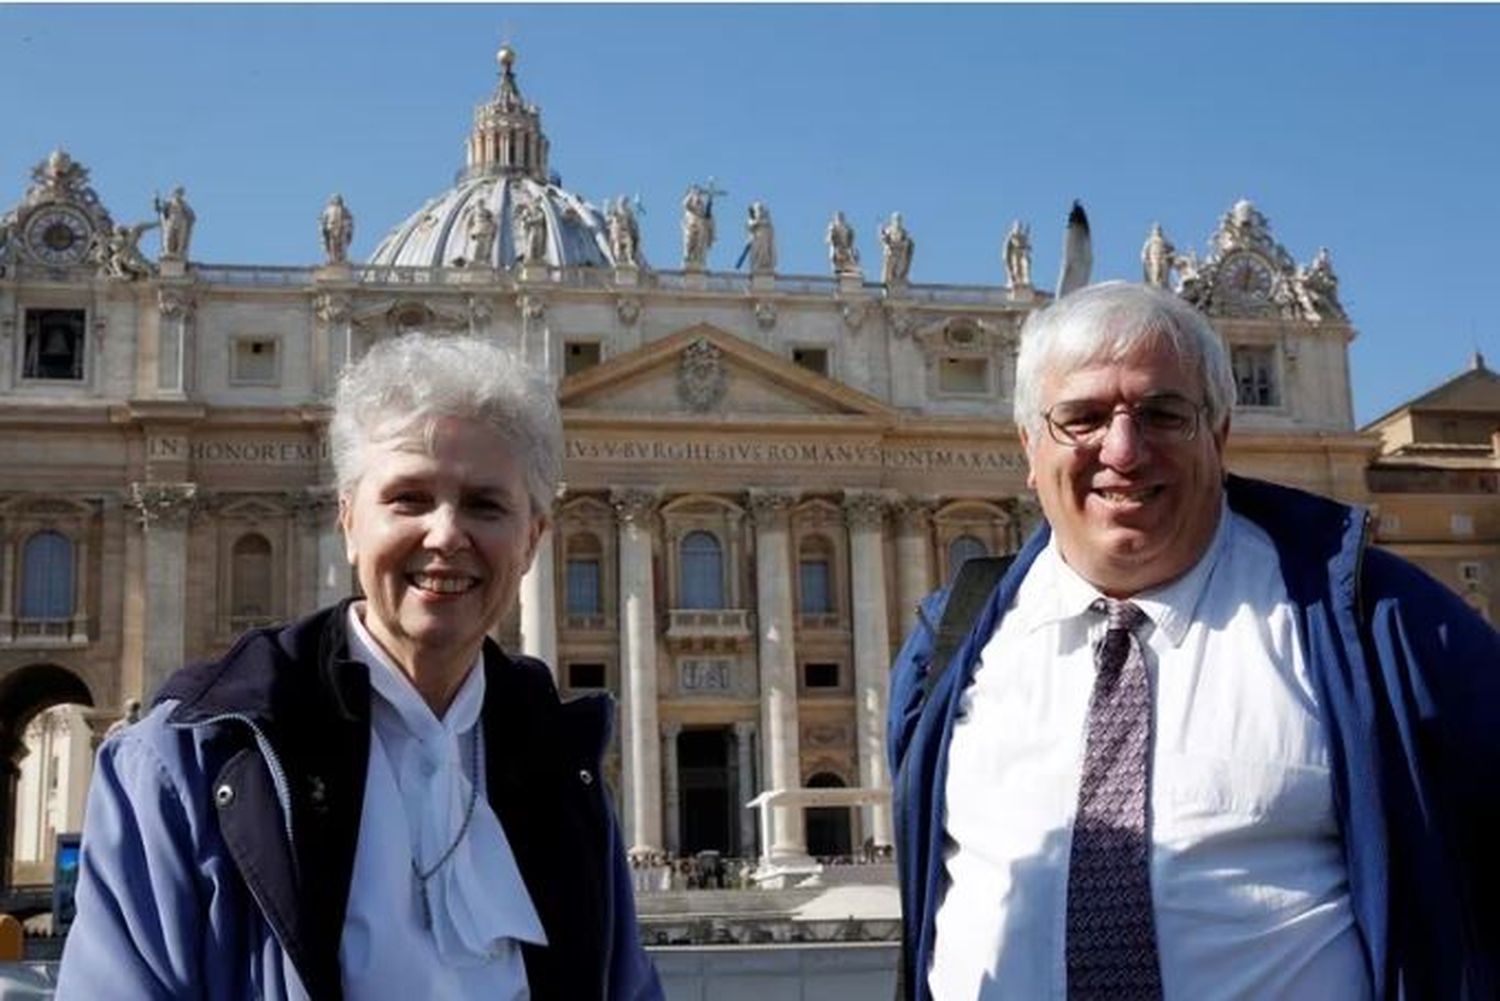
{"x":417,"y":790}
{"x":1248,"y":877}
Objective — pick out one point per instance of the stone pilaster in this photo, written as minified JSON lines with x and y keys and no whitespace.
{"x":913,"y":557}
{"x":778,"y":669}
{"x":745,"y":790}
{"x":671,"y":784}
{"x":539,"y":606}
{"x":7,"y":586}
{"x":333,"y":341}
{"x":317,"y":515}
{"x":635,"y":512}
{"x":175,"y":308}
{"x":164,"y":510}
{"x":865,"y":513}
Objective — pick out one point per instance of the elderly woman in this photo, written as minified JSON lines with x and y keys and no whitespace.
{"x":376,"y":801}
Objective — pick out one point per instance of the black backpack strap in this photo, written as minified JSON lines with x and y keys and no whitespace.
{"x":972,"y":587}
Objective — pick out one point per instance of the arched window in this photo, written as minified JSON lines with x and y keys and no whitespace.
{"x":250,"y":580}
{"x":702,"y":571}
{"x":815,"y":576}
{"x":583,"y":581}
{"x":963,"y":549}
{"x":47,"y":576}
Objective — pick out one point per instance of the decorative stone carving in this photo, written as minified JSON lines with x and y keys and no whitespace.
{"x":533,"y":307}
{"x":1317,"y":290}
{"x":769,"y":507}
{"x":843,"y":255}
{"x":701,"y":377}
{"x":854,"y":313}
{"x":332,"y":308}
{"x":1157,"y":258}
{"x":336,"y":227}
{"x":1247,"y":273}
{"x":914,"y":514}
{"x":313,"y":507}
{"x":903,"y":321}
{"x":864,"y":508}
{"x":697,"y":225}
{"x":628,"y":309}
{"x":118,"y":253}
{"x":175,"y":304}
{"x":765,"y":314}
{"x":634,"y":505}
{"x":531,"y":232}
{"x":164,"y":504}
{"x":897,"y":248}
{"x":1018,"y":256}
{"x":826,"y":735}
{"x":481,"y":310}
{"x":177,"y":219}
{"x":962,"y":334}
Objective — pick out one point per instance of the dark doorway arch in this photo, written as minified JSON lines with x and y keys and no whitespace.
{"x":25,"y":692}
{"x":828,"y":827}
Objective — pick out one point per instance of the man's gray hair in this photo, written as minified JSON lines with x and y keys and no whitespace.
{"x":1108,"y":322}
{"x":404,"y":385}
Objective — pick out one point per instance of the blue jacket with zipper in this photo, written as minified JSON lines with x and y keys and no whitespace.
{"x":1408,"y":684}
{"x":221,"y":829}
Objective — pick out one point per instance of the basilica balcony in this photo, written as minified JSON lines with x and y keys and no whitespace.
{"x":49,"y":632}
{"x":709,"y":628}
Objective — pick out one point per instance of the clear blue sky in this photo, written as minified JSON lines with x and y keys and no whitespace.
{"x":1371,"y":130}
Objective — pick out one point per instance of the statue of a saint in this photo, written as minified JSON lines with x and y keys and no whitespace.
{"x":118,"y":253}
{"x":760,"y":240}
{"x":697,"y":227}
{"x":842,"y":253}
{"x":481,"y":232}
{"x":177,"y":218}
{"x":624,"y":234}
{"x":1317,"y":289}
{"x":531,"y":219}
{"x":336,"y":225}
{"x":1018,"y":256}
{"x":898,"y":247}
{"x":1157,"y":258}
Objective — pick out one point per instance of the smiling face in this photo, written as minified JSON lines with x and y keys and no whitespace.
{"x":1129,"y":513}
{"x":439,"y":538}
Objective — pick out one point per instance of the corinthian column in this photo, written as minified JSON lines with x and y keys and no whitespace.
{"x":778,"y":669}
{"x":641,"y":775}
{"x":913,"y":557}
{"x":164,"y":510}
{"x":539,"y":606}
{"x":865,"y":513}
{"x":669,"y":734}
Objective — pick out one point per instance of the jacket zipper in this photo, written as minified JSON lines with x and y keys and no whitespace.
{"x":278,"y":774}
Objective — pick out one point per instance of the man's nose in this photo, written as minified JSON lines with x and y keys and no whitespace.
{"x":1123,"y":446}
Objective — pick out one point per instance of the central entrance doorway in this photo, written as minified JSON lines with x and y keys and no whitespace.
{"x":706,"y":787}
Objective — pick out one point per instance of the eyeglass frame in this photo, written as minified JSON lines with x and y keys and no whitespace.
{"x":1097,"y":436}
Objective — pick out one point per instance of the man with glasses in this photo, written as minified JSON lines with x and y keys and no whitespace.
{"x":1202,"y":741}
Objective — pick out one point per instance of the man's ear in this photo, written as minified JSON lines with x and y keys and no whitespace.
{"x":1030,"y":466}
{"x":540,"y":526}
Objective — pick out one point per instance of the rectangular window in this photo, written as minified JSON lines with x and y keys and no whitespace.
{"x":812,"y":359}
{"x":55,"y":343}
{"x":579,"y":356}
{"x":583,"y":590}
{"x":1471,"y":573}
{"x":1255,"y":376}
{"x":252,"y":361}
{"x":964,"y":375}
{"x":585,"y":675}
{"x":820,"y":675}
{"x":816,"y":597}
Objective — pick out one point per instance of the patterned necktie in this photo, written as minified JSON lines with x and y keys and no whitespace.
{"x":1111,"y":935}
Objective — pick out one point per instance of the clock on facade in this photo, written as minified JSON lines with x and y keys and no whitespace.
{"x":1246,"y":277}
{"x":58,"y":234}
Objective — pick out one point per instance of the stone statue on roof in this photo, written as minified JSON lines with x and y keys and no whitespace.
{"x":336,"y":225}
{"x":1018,"y":255}
{"x":897,"y":248}
{"x":177,"y":219}
{"x":531,"y":220}
{"x":624,"y":234}
{"x":1157,"y":257}
{"x":842,"y":253}
{"x":481,"y":231}
{"x":760,"y":239}
{"x":697,"y":226}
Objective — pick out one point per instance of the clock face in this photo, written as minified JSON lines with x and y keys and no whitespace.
{"x":1247,"y":278}
{"x":58,"y":234}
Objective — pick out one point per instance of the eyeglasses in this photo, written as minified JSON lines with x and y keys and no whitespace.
{"x":1164,"y":420}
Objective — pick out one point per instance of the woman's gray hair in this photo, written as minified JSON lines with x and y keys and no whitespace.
{"x":1108,"y":322}
{"x":404,"y":385}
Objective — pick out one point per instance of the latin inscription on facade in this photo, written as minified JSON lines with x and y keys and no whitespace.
{"x":804,"y":453}
{"x":236,"y":451}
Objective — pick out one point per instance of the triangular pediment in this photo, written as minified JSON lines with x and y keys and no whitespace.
{"x":703,"y":370}
{"x":1474,"y":391}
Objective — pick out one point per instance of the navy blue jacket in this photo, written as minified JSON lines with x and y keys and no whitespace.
{"x":1408,"y":684}
{"x":221,"y":829}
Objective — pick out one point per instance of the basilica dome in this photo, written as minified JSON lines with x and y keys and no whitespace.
{"x":507,"y":176}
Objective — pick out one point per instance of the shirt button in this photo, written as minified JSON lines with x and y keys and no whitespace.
{"x":585,"y":776}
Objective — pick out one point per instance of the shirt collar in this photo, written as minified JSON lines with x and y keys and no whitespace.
{"x":392,"y":685}
{"x":1054,"y":592}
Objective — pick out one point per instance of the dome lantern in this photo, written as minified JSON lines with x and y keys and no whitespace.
{"x":507,"y":137}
